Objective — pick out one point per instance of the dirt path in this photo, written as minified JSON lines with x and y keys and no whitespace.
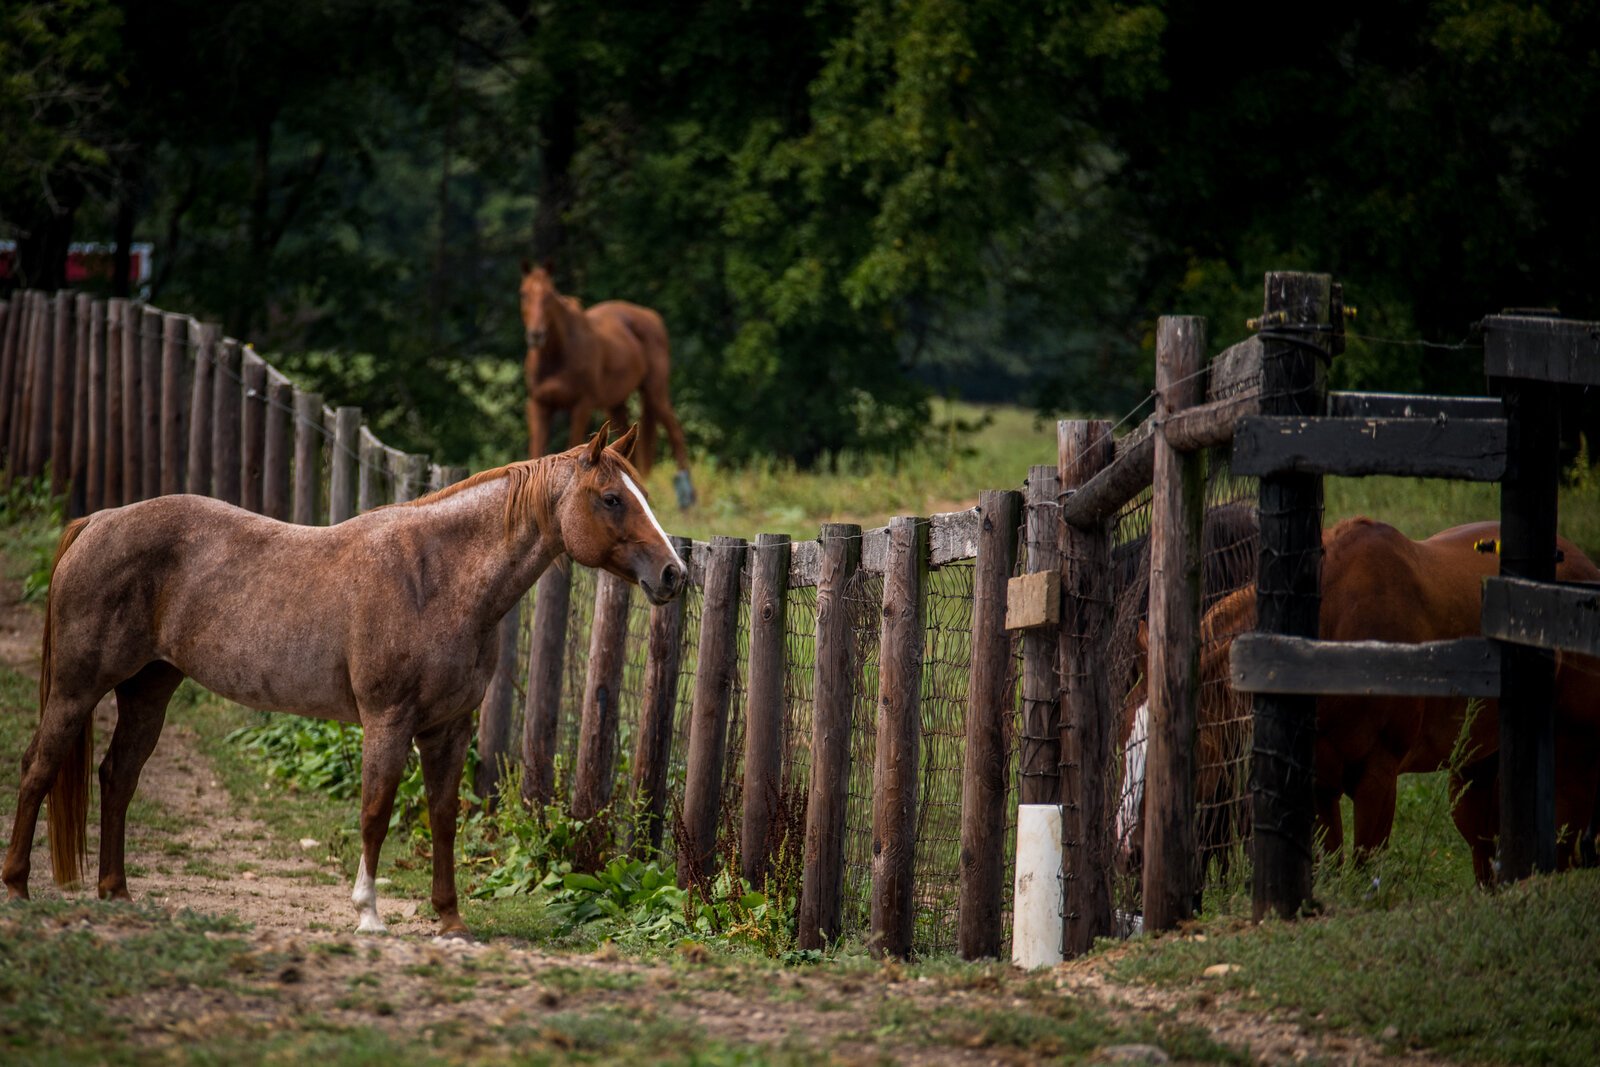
{"x":189,"y":847}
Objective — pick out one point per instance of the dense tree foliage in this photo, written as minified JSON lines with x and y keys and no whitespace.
{"x":837,"y":205}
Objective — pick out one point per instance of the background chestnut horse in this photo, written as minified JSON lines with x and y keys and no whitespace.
{"x":387,"y":620}
{"x":1379,"y":585}
{"x":582,"y":361}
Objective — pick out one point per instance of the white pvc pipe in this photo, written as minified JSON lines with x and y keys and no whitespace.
{"x":1036,"y":917}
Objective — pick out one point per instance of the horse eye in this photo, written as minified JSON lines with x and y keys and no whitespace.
{"x":612,"y":500}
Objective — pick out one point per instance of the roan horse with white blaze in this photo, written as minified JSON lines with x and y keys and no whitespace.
{"x":386,"y":620}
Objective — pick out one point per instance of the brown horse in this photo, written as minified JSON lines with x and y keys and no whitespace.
{"x":387,"y":620}
{"x":582,"y":361}
{"x":1379,"y":585}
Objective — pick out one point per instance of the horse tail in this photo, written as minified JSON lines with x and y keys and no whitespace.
{"x":68,"y":813}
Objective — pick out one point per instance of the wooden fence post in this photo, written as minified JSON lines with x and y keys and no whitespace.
{"x":41,"y":387}
{"x":174,"y":337}
{"x":202,"y":401}
{"x":1088,"y":716}
{"x":78,"y":460}
{"x":1177,"y":509}
{"x":822,"y":878}
{"x":1288,"y":597}
{"x":150,"y":385}
{"x":63,"y":360}
{"x":764,"y":704}
{"x":277,"y":457}
{"x":653,"y":748}
{"x":253,"y":433}
{"x":594,"y":774}
{"x":113,"y":489}
{"x":986,"y":771}
{"x":1040,"y":748}
{"x":371,"y":460}
{"x":897,"y":771}
{"x":94,"y":470}
{"x":133,"y":399}
{"x":227,"y":397}
{"x":10,"y":324}
{"x":708,"y":721}
{"x":494,"y":716}
{"x":307,"y":458}
{"x":541,"y":713}
{"x":22,"y":402}
{"x":343,"y":464}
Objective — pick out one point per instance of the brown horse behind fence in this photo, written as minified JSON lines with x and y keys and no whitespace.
{"x":387,"y":620}
{"x":582,"y":361}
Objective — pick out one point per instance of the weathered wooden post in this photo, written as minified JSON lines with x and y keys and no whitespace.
{"x":822,"y":878}
{"x":42,"y":388}
{"x":277,"y":458}
{"x":22,"y":403}
{"x":985,"y":772}
{"x":113,"y":491}
{"x":227,"y":398}
{"x":896,"y":771}
{"x":595,"y":771}
{"x":63,"y":358}
{"x":369,"y":493}
{"x":150,"y":383}
{"x":1177,"y":510}
{"x":343,"y":464}
{"x":542,"y":711}
{"x":764,"y":704}
{"x":78,"y":459}
{"x":94,"y":478}
{"x":253,"y":433}
{"x":494,"y":716}
{"x":1040,"y":752}
{"x":133,"y":399}
{"x":307,"y":458}
{"x":410,"y":471}
{"x":653,"y":747}
{"x":174,"y":335}
{"x":1088,"y":727}
{"x":708,"y":718}
{"x":202,"y":401}
{"x":1295,"y":326}
{"x":10,"y":322}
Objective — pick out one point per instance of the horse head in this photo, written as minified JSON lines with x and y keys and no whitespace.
{"x":606,"y":521}
{"x":537,"y":293}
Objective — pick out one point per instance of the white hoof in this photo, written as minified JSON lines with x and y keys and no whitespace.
{"x":371,"y":924}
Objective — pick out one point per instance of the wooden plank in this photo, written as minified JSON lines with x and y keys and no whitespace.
{"x":805,"y":561}
{"x":111,"y":489}
{"x":95,"y":414}
{"x":1542,"y":349}
{"x":708,"y":716}
{"x":953,"y":535}
{"x":343,"y":461}
{"x":63,"y":359}
{"x":1134,"y":441}
{"x":10,"y":325}
{"x":874,"y":549}
{"x":253,"y":432}
{"x":494,"y":714}
{"x":1406,"y":406}
{"x":1461,"y":449}
{"x":174,"y":410}
{"x":1559,"y":616}
{"x":1033,"y":600}
{"x":227,"y":399}
{"x":1103,"y":495}
{"x":1177,"y":509}
{"x":595,"y":772}
{"x":277,"y":456}
{"x":1208,"y":425}
{"x":764,"y":705}
{"x":822,"y":875}
{"x":201,"y":407}
{"x":1235,"y":371}
{"x":985,"y":769}
{"x":1274,"y":663}
{"x":151,"y":331}
{"x":1039,"y":758}
{"x":1289,"y":599}
{"x":369,"y":481}
{"x":1088,"y":727}
{"x":546,"y":654}
{"x":653,"y":748}
{"x":307,"y":458}
{"x":78,"y":470}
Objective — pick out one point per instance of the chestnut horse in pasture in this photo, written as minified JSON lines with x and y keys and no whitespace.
{"x":387,"y":620}
{"x":585,"y":360}
{"x":1379,"y":585}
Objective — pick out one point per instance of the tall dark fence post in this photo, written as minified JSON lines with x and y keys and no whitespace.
{"x":78,"y":460}
{"x":150,"y":384}
{"x":227,"y":399}
{"x":897,"y":771}
{"x":494,"y":716}
{"x":594,"y":774}
{"x":986,"y":771}
{"x":114,"y":491}
{"x":63,"y":357}
{"x":307,"y":458}
{"x":763,"y":729}
{"x":822,"y":877}
{"x":94,"y":471}
{"x":1088,"y":716}
{"x":653,"y":749}
{"x":713,"y":693}
{"x":253,"y":432}
{"x":22,"y":399}
{"x":133,"y":398}
{"x":42,"y":387}
{"x":174,"y":338}
{"x":343,"y":465}
{"x":1040,"y":754}
{"x":1171,"y":854}
{"x":1288,"y":596}
{"x":10,"y":324}
{"x":277,"y":460}
{"x":541,"y":714}
{"x":201,"y":406}
{"x":369,"y":479}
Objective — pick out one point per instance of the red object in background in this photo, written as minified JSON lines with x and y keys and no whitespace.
{"x":89,"y":262}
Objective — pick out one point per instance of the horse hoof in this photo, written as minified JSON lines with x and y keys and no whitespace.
{"x":371,"y":924}
{"x":458,"y":935}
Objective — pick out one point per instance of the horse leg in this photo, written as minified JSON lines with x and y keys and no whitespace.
{"x":1475,"y":807}
{"x":61,"y":745}
{"x":659,"y":404}
{"x":384,"y":748}
{"x":141,"y":713}
{"x":538,"y":429}
{"x":578,"y":432}
{"x":1374,"y":800}
{"x":644,"y":453}
{"x":444,"y":752}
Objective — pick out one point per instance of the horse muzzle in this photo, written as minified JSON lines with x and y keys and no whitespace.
{"x":535,"y":338}
{"x":665,"y":585}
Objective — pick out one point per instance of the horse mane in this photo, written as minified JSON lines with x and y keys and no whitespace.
{"x":532,"y":490}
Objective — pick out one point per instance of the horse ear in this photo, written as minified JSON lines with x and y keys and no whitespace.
{"x":624,"y":444}
{"x":597,"y":445}
{"x":549,"y":265}
{"x":527,"y":268}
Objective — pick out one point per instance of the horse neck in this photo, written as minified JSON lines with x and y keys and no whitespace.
{"x":567,"y":328}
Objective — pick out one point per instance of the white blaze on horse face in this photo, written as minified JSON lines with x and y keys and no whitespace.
{"x":365,"y":899}
{"x":639,"y":496}
{"x":1131,"y":809}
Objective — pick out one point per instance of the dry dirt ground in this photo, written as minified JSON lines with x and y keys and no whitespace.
{"x":307,"y":964}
